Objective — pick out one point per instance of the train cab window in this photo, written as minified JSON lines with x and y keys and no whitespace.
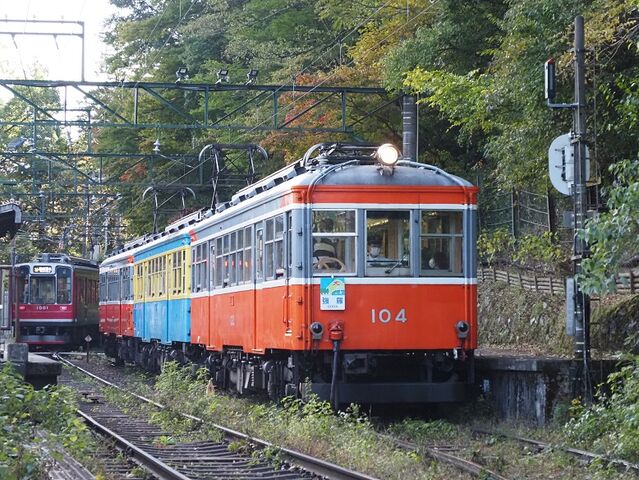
{"x":42,"y":289}
{"x":388,"y":243}
{"x":63,"y":287}
{"x":334,"y":236}
{"x":441,"y":243}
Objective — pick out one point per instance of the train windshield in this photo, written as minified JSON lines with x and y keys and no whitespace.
{"x":42,"y":289}
{"x":441,"y":243}
{"x":334,"y":237}
{"x":388,"y":243}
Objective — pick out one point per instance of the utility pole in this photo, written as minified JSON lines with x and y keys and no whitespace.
{"x":568,"y":163}
{"x":582,"y":301}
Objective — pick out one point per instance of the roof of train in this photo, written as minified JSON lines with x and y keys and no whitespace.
{"x":321,"y":170}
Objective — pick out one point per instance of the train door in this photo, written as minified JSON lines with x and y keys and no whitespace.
{"x":257,"y":290}
{"x":272,"y":296}
{"x":290,"y":302}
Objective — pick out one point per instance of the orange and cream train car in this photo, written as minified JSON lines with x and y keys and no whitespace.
{"x":350,"y":273}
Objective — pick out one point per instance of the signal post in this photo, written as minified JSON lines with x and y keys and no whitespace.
{"x":569,"y":168}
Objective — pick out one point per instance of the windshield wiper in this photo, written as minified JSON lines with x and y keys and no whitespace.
{"x":398,"y":263}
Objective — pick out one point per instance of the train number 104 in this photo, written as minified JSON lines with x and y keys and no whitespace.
{"x":384,"y":315}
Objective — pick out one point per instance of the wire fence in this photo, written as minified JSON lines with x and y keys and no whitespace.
{"x":523,"y":212}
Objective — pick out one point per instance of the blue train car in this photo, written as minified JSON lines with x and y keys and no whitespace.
{"x":161,"y":285}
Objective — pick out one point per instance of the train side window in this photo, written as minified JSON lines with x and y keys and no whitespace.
{"x":151,"y":276}
{"x":141,"y":281}
{"x":103,"y":287}
{"x":233,"y":258}
{"x":176,"y":273}
{"x":278,"y":247}
{"x":63,"y":285}
{"x":203,"y":276}
{"x":388,"y":243}
{"x":162,"y":275}
{"x":334,"y":241}
{"x":194,"y":285}
{"x":247,"y":274}
{"x":199,"y":268}
{"x":274,"y":248}
{"x":23,"y":284}
{"x":259,"y":254}
{"x":239,"y":257}
{"x":125,"y":281}
{"x":269,"y":235}
{"x":211,"y":264}
{"x":219,"y":265}
{"x":185,"y":285}
{"x":441,"y":238}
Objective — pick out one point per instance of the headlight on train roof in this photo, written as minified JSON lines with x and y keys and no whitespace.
{"x":388,"y":154}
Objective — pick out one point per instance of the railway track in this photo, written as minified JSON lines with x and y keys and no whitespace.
{"x":455,"y":456}
{"x":319,"y":467}
{"x":194,"y":460}
{"x":587,"y":457}
{"x":441,"y":455}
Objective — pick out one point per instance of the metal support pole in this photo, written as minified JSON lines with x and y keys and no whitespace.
{"x":409,"y":127}
{"x":15,"y":299}
{"x":582,"y":310}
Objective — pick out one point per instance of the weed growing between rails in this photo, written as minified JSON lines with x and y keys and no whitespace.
{"x":31,"y":420}
{"x":347,"y":439}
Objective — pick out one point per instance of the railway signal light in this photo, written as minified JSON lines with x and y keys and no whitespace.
{"x":550,"y":89}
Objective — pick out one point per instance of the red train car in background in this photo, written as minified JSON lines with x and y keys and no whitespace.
{"x":57,"y":300}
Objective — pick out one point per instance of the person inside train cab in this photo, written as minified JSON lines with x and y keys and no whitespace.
{"x":326,"y":252}
{"x":375,"y":252}
{"x":323,"y":247}
{"x":439,"y":261}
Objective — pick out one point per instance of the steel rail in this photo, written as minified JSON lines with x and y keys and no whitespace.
{"x":307,"y":462}
{"x":621,"y":465}
{"x":151,"y":463}
{"x":462,"y":464}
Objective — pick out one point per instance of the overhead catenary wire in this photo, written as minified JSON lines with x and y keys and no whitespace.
{"x":302,"y":97}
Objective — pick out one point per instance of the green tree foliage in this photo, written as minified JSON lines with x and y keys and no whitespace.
{"x":477,"y":67}
{"x":610,"y":427}
{"x":614,"y":234}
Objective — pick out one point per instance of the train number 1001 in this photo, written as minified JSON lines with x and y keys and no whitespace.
{"x":384,"y":315}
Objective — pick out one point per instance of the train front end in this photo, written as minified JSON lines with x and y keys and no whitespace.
{"x":393,"y":305}
{"x":57,"y":300}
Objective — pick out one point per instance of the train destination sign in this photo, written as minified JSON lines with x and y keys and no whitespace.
{"x":42,"y":269}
